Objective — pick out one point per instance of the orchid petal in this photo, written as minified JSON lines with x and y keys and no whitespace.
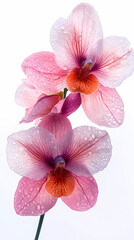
{"x":30,"y":152}
{"x":86,"y":150}
{"x":26,"y":95}
{"x":41,"y":108}
{"x":84,"y":195}
{"x":74,"y":39}
{"x":116,"y":61}
{"x":31,"y":198}
{"x":57,"y":108}
{"x":104,"y":107}
{"x":57,"y":124}
{"x":71,"y":104}
{"x":68,"y":105}
{"x":43,"y":72}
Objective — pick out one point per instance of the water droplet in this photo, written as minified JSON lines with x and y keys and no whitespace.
{"x":38,"y":207}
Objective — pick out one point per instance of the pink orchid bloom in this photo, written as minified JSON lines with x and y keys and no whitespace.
{"x":52,"y":169}
{"x":84,"y":62}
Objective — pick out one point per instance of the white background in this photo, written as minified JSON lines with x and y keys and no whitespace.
{"x":25,"y":28}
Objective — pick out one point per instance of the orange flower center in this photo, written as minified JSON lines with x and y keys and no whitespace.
{"x":81,"y":80}
{"x":60,"y":182}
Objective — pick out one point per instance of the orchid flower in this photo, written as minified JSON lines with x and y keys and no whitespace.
{"x":86,"y":63}
{"x":53,"y":170}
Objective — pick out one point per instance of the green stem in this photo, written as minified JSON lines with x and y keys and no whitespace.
{"x":39,"y":227}
{"x":65,"y":92}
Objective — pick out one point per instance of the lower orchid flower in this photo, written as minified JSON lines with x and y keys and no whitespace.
{"x":86,"y":63}
{"x":53,"y":170}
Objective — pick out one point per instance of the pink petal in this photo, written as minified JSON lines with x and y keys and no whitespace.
{"x":43,"y":72}
{"x":41,"y":108}
{"x":68,"y":105}
{"x":74,"y":39}
{"x":104,"y":107}
{"x":71,"y":104}
{"x":31,"y":152}
{"x":87,"y":150}
{"x":31,"y":198}
{"x":26,"y":95}
{"x":57,"y":108}
{"x":57,"y":124}
{"x":84,"y":195}
{"x":116,"y":61}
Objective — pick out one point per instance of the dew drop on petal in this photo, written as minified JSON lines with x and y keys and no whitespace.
{"x":38,"y":207}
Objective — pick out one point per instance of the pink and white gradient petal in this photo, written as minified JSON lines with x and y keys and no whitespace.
{"x":104,"y":107}
{"x":41,"y":108}
{"x":115,"y":62}
{"x":44,"y":73}
{"x":74,"y":39}
{"x":26,"y":95}
{"x":84,"y":195}
{"x":29,"y":151}
{"x":87,"y":150}
{"x":57,"y":124}
{"x":31,"y":198}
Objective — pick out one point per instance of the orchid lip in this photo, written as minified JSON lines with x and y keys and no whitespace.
{"x":59,"y":162}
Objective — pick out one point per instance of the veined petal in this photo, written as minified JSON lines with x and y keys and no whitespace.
{"x":115,"y":62}
{"x":57,"y":108}
{"x":104,"y":107}
{"x":86,"y":150}
{"x":30,"y":152}
{"x":41,"y":108}
{"x":26,"y":95}
{"x":74,"y":39}
{"x":68,"y":105}
{"x":57,"y":124}
{"x":71,"y":104}
{"x":84,"y":195}
{"x":44,"y":73}
{"x":31,"y":198}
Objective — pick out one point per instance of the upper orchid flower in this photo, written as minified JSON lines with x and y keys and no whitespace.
{"x":86,"y":63}
{"x":52,"y":169}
